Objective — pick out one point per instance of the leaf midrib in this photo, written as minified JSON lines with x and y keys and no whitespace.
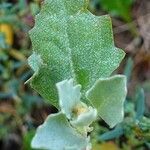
{"x":69,"y":47}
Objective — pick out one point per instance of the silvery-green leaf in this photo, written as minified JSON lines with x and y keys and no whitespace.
{"x":57,"y":134}
{"x":86,"y":118}
{"x":108,"y":96}
{"x":69,"y":96}
{"x":72,"y":43}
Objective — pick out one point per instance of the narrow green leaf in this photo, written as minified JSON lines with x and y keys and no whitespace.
{"x":115,"y":133}
{"x":140,"y":103}
{"x":128,"y":68}
{"x":72,"y":43}
{"x":27,"y":140}
{"x":108,"y":96}
{"x":57,"y":134}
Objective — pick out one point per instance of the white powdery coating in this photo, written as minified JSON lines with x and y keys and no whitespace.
{"x":73,"y":43}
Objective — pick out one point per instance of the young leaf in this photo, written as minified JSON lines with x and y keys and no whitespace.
{"x":85,"y":118}
{"x":69,"y":96}
{"x":108,"y":96}
{"x":70,"y":104}
{"x":57,"y":134}
{"x":72,"y":42}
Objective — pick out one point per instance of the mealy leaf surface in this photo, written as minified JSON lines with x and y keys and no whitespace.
{"x":57,"y":134}
{"x":108,"y":96}
{"x":71,"y":43}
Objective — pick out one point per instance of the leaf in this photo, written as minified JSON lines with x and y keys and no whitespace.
{"x":27,"y":137}
{"x":85,"y":118}
{"x":69,"y":96}
{"x":73,"y":43}
{"x":108,"y":96}
{"x":121,"y":8}
{"x":75,"y":110}
{"x":57,"y":134}
{"x":113,"y":134}
{"x":140,"y":103}
{"x":128,"y":68}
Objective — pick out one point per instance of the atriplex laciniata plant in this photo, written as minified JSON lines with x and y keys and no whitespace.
{"x":74,"y":55}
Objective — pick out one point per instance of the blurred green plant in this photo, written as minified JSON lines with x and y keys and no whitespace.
{"x":119,"y":8}
{"x":16,"y":99}
{"x":27,"y":137}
